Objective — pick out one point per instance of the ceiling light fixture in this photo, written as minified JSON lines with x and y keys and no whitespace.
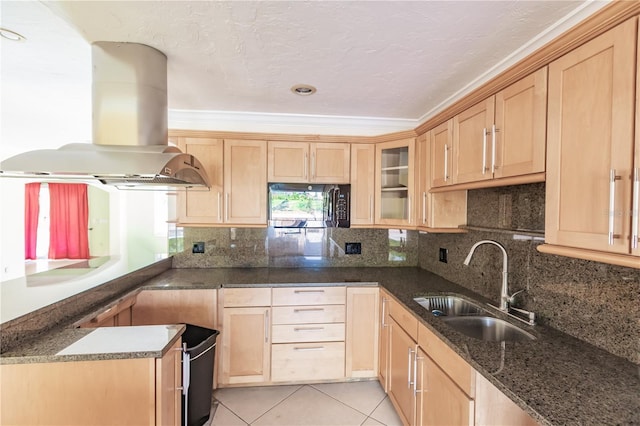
{"x":11,"y":35}
{"x":303,"y":89}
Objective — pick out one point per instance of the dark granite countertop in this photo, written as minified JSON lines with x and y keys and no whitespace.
{"x":557,"y":379}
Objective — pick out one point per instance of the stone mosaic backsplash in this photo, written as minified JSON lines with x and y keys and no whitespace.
{"x":297,"y":247}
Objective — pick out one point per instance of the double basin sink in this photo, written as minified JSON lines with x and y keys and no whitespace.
{"x":471,"y":320}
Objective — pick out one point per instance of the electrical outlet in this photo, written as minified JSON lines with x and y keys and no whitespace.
{"x":443,"y":254}
{"x":353,"y":248}
{"x":198,"y":247}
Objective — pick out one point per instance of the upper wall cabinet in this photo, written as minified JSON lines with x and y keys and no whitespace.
{"x":441,"y":155}
{"x":308,"y":162}
{"x":363,"y":169}
{"x":237,"y":171}
{"x":592,"y":182}
{"x":503,"y":136}
{"x":394,"y":182}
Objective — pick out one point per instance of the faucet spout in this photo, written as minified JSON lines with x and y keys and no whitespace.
{"x":504,"y":291}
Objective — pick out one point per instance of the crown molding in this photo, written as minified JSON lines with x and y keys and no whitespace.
{"x":287,"y":123}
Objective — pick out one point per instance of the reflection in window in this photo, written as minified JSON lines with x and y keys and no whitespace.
{"x":397,"y":243}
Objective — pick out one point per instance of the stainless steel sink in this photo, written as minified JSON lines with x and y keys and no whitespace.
{"x":448,"y":305}
{"x":487,"y":328}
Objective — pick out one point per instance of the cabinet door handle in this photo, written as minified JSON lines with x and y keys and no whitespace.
{"x":635,"y":215}
{"x":409,"y":208}
{"x":371,"y":208}
{"x":313,"y":348}
{"x":612,"y":204}
{"x":384,"y":315}
{"x":484,"y":150}
{"x":266,"y":326}
{"x":424,"y":207}
{"x":446,"y":162}
{"x":306,"y":166}
{"x":409,"y":382}
{"x":493,"y":148}
{"x":226,"y":207}
{"x":219,"y":207}
{"x":308,"y":291}
{"x":423,"y":380}
{"x":415,"y":372}
{"x":307,"y":309}
{"x":313,"y":165}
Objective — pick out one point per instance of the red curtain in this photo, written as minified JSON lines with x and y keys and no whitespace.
{"x":69,"y":232}
{"x":31,"y":213}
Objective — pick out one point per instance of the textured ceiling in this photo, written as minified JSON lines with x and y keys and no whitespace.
{"x":385,"y":60}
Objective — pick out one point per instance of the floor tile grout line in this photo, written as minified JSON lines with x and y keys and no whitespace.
{"x":344,"y":403}
{"x":277,"y":404}
{"x":231,"y":411}
{"x":271,"y":408}
{"x":377,"y":406}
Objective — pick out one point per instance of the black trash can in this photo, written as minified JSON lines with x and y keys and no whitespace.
{"x":201,"y":348}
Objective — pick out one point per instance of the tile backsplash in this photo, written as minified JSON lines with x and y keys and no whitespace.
{"x":297,"y":247}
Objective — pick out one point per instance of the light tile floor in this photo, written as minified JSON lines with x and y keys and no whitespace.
{"x":339,"y":404}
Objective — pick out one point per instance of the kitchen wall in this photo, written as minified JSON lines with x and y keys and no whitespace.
{"x":297,"y":247}
{"x":592,"y":301}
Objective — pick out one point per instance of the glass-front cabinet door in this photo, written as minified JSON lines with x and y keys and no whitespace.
{"x":394,"y":182}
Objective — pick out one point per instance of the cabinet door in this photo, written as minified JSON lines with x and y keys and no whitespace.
{"x":196,"y":205}
{"x":362,"y":183}
{"x":442,"y":154}
{"x":394,"y":182}
{"x":330,"y":162}
{"x":384,"y":351}
{"x":362,"y":332}
{"x":590,"y":139}
{"x":471,"y":145}
{"x":440,"y":401}
{"x":518,"y":140}
{"x":401,"y":392}
{"x":495,"y":408}
{"x":168,"y":382}
{"x":245,"y":182}
{"x":423,"y":179}
{"x":196,"y":306}
{"x":635,"y":208}
{"x":288,"y":162}
{"x":246,"y":344}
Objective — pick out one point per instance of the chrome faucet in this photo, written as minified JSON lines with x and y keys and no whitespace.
{"x":504,"y":292}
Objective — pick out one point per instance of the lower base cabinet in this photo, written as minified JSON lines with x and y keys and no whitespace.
{"x":307,"y":361}
{"x":140,"y":391}
{"x":401,"y":390}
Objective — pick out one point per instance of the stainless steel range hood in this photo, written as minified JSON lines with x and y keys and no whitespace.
{"x":130,"y":134}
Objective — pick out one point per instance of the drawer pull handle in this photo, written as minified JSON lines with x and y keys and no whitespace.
{"x":308,"y":329}
{"x":308,"y":291}
{"x":313,"y":348}
{"x":307,"y":310}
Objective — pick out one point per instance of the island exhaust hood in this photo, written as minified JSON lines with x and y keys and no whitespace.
{"x":130,"y":138}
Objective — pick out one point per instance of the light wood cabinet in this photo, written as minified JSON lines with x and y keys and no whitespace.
{"x":246,"y":336}
{"x":193,"y":306}
{"x":502,"y":136}
{"x":308,"y":162}
{"x":237,"y":171}
{"x":245,"y":182}
{"x":395,"y":183}
{"x":363,"y":170}
{"x":403,"y":352}
{"x":362,"y":332}
{"x":439,"y":400}
{"x":492,"y":407}
{"x":439,"y":212}
{"x":116,"y":315}
{"x":590,"y":154}
{"x":311,"y":350}
{"x":102,"y":392}
{"x":441,"y":154}
{"x":384,"y":350}
{"x":196,"y":206}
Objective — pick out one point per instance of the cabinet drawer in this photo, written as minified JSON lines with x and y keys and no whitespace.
{"x":408,"y":322}
{"x":308,"y":314}
{"x":308,"y":333}
{"x":309,"y":296}
{"x":307,"y":361}
{"x":238,"y":297}
{"x":449,"y":361}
